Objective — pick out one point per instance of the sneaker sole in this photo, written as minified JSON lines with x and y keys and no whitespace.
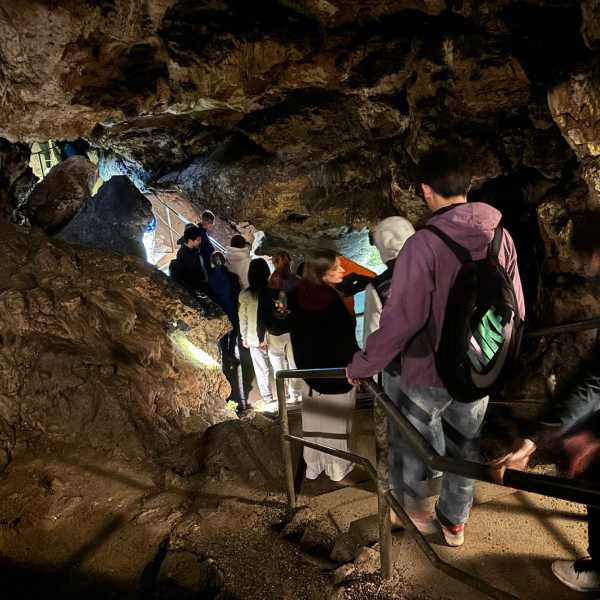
{"x":452,"y":541}
{"x":574,"y":586}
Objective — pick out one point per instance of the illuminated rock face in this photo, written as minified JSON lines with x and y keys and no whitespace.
{"x":307,"y":117}
{"x":92,"y":353}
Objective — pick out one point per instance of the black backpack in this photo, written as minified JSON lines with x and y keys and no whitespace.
{"x":482,"y":327}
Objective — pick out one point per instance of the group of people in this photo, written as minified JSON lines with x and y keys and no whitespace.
{"x":302,"y":321}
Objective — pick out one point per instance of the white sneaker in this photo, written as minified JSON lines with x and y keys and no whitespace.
{"x":580,"y":575}
{"x":271,"y":407}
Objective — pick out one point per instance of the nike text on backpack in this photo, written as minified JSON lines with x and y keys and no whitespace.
{"x":481,"y":328}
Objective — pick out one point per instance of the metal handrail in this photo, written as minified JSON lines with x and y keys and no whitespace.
{"x":556,"y":487}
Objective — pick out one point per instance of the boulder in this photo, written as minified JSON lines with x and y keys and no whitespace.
{"x":184,"y":575}
{"x":58,"y":197}
{"x":113,"y":220}
{"x":96,"y":352}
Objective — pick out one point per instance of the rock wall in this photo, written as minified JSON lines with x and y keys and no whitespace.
{"x":93,"y":352}
{"x":303,"y":116}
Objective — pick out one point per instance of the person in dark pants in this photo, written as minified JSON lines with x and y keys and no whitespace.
{"x":571,"y":423}
{"x":224,"y":290}
{"x":187,"y":268}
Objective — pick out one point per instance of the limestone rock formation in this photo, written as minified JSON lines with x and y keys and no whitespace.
{"x":307,"y":117}
{"x":56,"y":199}
{"x":113,"y":220}
{"x":16,"y":177}
{"x":95,"y":352}
{"x":575,"y":106}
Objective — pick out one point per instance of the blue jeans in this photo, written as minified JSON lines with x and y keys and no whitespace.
{"x":452,"y":428}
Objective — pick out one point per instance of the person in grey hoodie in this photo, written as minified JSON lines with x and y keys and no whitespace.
{"x":388,"y":237}
{"x":411,"y":325}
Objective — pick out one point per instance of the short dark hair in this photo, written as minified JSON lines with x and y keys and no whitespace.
{"x":238,"y":241}
{"x":317,"y":263}
{"x":208,"y":215}
{"x":586,"y":232}
{"x":191,"y":233}
{"x":446,"y":173}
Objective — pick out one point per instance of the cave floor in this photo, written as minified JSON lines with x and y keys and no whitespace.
{"x":74,"y":526}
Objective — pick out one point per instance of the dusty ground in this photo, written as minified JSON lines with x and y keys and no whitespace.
{"x":74,"y":526}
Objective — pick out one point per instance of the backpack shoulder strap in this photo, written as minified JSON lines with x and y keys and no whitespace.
{"x":459,"y":251}
{"x":494,"y":248}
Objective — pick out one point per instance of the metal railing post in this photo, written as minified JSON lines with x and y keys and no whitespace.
{"x":286,"y":446}
{"x":383,"y":509}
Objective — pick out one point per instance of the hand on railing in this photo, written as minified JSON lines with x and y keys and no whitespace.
{"x":352,"y":380}
{"x":518,"y":459}
{"x":581,"y":449}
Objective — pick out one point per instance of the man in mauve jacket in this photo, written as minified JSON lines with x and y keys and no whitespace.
{"x":411,"y":324}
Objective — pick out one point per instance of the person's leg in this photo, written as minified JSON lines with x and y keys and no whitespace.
{"x":294,"y":385}
{"x":410,"y":478}
{"x":462,"y":424}
{"x":276,"y":352}
{"x":260,"y":361}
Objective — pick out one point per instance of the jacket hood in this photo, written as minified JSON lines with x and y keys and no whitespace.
{"x":389,"y":236}
{"x":237,"y":254}
{"x":472,"y":225}
{"x":314,"y":296}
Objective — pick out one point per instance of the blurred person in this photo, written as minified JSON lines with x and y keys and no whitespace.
{"x":571,"y":424}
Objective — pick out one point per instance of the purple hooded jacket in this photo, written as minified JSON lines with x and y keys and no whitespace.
{"x":424,"y":272}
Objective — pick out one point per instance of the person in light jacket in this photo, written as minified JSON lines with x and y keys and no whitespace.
{"x":388,"y":237}
{"x":252,"y":338}
{"x":238,"y":257}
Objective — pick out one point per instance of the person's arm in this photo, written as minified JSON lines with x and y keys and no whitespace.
{"x":406,"y":312}
{"x":565,"y":413}
{"x":264,"y":300}
{"x":373,"y":308}
{"x":512,"y":269}
{"x":243,"y":317}
{"x":559,"y":418}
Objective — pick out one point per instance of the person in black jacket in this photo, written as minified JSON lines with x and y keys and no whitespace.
{"x":225,"y":290}
{"x":323,"y":335}
{"x":187,"y":267}
{"x":571,"y":424}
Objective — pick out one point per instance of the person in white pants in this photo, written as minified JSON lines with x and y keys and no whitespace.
{"x":281,"y":356}
{"x":258,"y":275}
{"x":273,"y":299}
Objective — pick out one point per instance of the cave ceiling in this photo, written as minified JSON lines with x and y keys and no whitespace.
{"x":303,"y":115}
